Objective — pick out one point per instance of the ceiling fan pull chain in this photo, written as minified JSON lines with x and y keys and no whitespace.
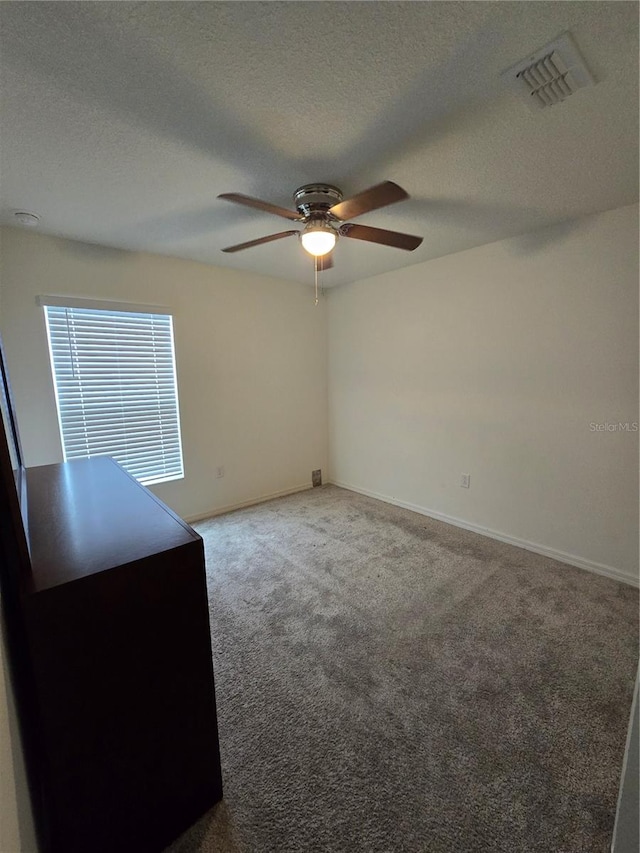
{"x":315,"y":266}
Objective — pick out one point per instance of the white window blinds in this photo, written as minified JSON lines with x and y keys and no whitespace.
{"x":115,"y":380}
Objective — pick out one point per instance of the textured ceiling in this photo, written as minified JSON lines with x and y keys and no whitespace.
{"x":122,"y":121}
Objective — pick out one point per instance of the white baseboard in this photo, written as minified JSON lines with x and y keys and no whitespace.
{"x":560,"y":556}
{"x":221,"y":510}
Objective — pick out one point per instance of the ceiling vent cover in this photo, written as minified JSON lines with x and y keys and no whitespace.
{"x":549,"y":75}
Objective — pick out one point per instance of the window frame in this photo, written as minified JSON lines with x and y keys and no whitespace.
{"x":114,"y":308}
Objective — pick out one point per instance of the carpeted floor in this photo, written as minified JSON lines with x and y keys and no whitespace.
{"x":386,"y":682}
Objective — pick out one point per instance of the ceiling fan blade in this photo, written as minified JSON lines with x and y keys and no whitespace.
{"x":240,"y":246}
{"x":238,"y":198}
{"x":325,"y":262}
{"x":381,"y":235}
{"x":379,"y":196}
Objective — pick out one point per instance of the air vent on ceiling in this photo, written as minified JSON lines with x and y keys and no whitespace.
{"x":549,"y":75}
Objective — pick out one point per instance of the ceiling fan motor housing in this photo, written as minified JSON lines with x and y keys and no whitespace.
{"x":314,"y":200}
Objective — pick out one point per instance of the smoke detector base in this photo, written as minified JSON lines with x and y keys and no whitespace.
{"x":30,"y":220}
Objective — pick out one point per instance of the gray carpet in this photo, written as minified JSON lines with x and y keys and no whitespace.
{"x":387,"y":682}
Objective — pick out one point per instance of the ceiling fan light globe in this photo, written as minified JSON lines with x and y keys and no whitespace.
{"x":318,"y":240}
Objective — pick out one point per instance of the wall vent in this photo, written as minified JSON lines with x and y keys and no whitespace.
{"x":550,"y":75}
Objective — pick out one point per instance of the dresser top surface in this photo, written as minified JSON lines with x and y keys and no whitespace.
{"x":89,"y":516}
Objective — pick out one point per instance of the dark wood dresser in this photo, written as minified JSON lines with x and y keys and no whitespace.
{"x":117,"y":628}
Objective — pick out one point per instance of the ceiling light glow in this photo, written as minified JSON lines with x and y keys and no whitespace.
{"x":318,"y":240}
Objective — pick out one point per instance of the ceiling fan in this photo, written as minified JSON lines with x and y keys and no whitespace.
{"x":323,"y":211}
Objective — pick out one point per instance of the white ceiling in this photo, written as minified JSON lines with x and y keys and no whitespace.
{"x":122,"y":121}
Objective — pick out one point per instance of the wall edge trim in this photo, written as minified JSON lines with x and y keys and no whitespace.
{"x":221,"y":510}
{"x":545,"y":551}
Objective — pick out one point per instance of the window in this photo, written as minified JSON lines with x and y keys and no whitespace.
{"x":115,"y":381}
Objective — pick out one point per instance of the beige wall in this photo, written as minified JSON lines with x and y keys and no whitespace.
{"x":17,"y":833}
{"x":494,"y":362}
{"x":250,"y":354}
{"x":9,"y":832}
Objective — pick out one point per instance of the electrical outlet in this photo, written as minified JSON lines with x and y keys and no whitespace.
{"x":219,"y":471}
{"x":465,"y":480}
{"x":316,"y":477}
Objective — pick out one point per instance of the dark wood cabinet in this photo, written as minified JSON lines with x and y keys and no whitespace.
{"x":116,"y":622}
